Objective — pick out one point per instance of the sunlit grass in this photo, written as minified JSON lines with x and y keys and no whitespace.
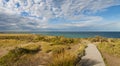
{"x":15,"y":54}
{"x":10,"y":42}
{"x":67,"y":58}
{"x":112,"y":47}
{"x":63,"y":59}
{"x":46,"y":47}
{"x":24,"y":47}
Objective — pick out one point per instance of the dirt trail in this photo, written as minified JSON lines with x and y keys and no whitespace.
{"x":92,"y":57}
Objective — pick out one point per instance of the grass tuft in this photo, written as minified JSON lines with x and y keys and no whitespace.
{"x":14,"y":55}
{"x":63,"y":59}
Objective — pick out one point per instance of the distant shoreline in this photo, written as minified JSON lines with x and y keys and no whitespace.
{"x":50,"y":31}
{"x":72,"y":34}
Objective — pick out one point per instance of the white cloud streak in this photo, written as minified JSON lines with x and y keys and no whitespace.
{"x":64,"y":8}
{"x":41,"y":11}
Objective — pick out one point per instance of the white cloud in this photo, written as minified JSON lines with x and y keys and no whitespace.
{"x":41,"y":11}
{"x":52,"y":8}
{"x":84,"y":22}
{"x":15,"y":22}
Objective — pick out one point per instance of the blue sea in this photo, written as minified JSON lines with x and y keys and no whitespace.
{"x":82,"y":34}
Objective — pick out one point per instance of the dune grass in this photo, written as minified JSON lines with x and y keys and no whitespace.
{"x":10,"y":43}
{"x":54,"y":48}
{"x":112,"y":47}
{"x":67,"y":58}
{"x":15,"y":54}
{"x":63,"y":59}
{"x":98,"y":39}
{"x":110,"y":50}
{"x":27,"y":46}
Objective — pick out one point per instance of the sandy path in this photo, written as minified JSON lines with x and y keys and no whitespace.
{"x":92,"y":57}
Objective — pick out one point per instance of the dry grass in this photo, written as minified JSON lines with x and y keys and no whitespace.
{"x":10,"y":43}
{"x":64,"y":59}
{"x":110,"y":47}
{"x":67,"y":58}
{"x":110,"y":51}
{"x":28,"y":45}
{"x":14,"y":55}
{"x":111,"y":60}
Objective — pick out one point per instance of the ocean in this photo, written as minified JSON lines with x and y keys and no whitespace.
{"x":82,"y":34}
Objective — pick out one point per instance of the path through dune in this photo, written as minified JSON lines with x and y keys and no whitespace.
{"x":92,"y":57}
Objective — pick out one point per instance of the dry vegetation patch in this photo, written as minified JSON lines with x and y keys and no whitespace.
{"x":34,"y":50}
{"x":110,"y":51}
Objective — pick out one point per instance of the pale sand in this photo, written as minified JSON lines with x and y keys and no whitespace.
{"x":92,"y":57}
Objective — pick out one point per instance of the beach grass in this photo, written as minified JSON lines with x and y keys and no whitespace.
{"x":15,"y":54}
{"x":67,"y":58}
{"x":112,"y":47}
{"x":110,"y":51}
{"x":34,"y":50}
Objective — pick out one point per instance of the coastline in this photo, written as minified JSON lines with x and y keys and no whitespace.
{"x":51,"y":47}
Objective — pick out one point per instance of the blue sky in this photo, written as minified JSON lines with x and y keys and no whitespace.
{"x":59,"y":15}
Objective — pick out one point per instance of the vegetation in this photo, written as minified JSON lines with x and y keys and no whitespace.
{"x":109,"y":48}
{"x":67,"y":58}
{"x":63,"y":59}
{"x":112,"y":47}
{"x":34,"y":50}
{"x":16,"y":53}
{"x":98,"y":39}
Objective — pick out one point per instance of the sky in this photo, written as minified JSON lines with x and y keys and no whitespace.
{"x":59,"y":15}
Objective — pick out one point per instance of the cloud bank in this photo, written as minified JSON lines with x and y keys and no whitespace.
{"x":36,"y":14}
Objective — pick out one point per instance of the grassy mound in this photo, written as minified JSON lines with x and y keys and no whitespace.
{"x":14,"y":55}
{"x":112,"y":47}
{"x":67,"y":58}
{"x":59,"y":50}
